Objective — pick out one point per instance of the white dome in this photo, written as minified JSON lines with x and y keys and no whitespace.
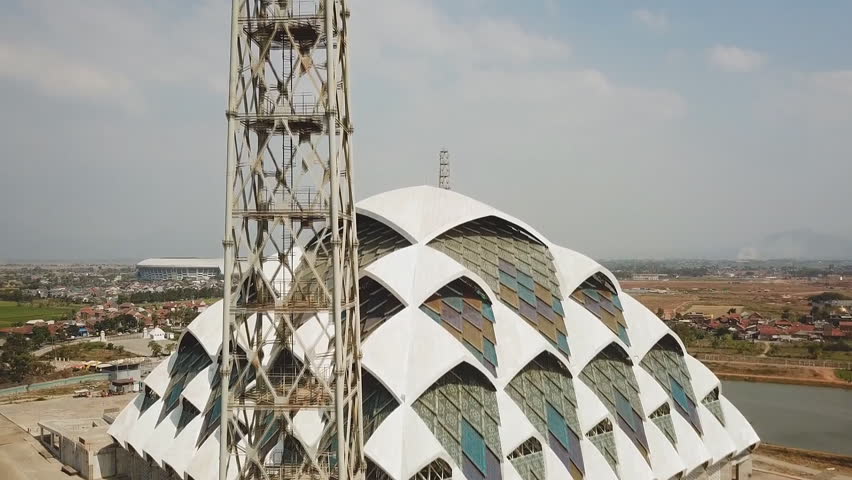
{"x":488,"y":351}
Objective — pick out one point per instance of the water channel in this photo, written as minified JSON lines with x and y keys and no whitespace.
{"x":815,"y":418}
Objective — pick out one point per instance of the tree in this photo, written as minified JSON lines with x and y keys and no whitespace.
{"x":170,"y":347}
{"x":815,"y":350}
{"x":41,"y":335}
{"x":156,"y":349}
{"x":17,"y":363}
{"x":660,"y":312}
{"x":720,"y":332}
{"x":785,"y":315}
{"x":732,"y":311}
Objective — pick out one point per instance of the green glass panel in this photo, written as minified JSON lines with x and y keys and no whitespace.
{"x":473,"y":446}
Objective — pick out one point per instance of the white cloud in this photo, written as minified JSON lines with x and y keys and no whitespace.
{"x":57,"y":75}
{"x":838,"y":82}
{"x":117,"y":52}
{"x":734,"y":59}
{"x":656,"y":21}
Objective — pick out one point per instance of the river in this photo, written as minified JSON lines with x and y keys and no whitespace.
{"x":814,"y":418}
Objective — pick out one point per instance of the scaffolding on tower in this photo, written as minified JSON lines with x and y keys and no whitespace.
{"x":290,"y":246}
{"x":444,"y":169}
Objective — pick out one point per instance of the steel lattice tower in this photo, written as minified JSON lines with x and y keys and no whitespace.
{"x":290,"y":246}
{"x":444,"y":169}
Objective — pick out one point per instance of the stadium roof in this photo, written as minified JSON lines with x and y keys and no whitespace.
{"x":182,"y":262}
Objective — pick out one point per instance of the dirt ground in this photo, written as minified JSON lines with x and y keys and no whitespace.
{"x":781,"y":374}
{"x":764,"y":296}
{"x":801,"y":463}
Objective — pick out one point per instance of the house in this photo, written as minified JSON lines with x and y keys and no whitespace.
{"x":157,"y":333}
{"x":765,"y":332}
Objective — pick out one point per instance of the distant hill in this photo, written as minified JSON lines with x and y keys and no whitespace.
{"x":800,"y":244}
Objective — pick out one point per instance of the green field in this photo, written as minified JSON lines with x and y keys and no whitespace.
{"x":11,"y":313}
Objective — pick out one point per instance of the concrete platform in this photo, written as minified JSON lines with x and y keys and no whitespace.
{"x":22,"y":457}
{"x":28,"y":415}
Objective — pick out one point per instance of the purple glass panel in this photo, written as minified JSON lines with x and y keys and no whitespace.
{"x":575,"y":453}
{"x":594,"y":308}
{"x":470,"y":471}
{"x":528,"y":311}
{"x":453,"y":318}
{"x":494,"y":472}
{"x":559,"y":450}
{"x":609,"y":307}
{"x":544,"y":309}
{"x":507,"y":267}
{"x":634,"y":435}
{"x":472,"y":315}
{"x":640,"y":429}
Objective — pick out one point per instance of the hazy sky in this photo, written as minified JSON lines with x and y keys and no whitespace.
{"x":659,"y":129}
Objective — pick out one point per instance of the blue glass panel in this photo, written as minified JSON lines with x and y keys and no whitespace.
{"x":508,"y":280}
{"x":562,"y":342}
{"x":557,"y":307}
{"x":557,"y":425}
{"x":489,"y":352}
{"x":679,"y":394}
{"x":526,"y":280}
{"x":476,"y":353}
{"x":622,"y":334}
{"x":617,"y":302}
{"x":473,"y":446}
{"x":624,"y":409}
{"x":593,"y":294}
{"x":527,"y":295}
{"x":488,"y":312}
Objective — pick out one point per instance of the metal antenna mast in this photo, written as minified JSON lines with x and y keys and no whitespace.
{"x":290,"y":246}
{"x":444,"y":169}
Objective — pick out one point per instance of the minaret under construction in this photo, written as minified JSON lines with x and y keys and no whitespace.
{"x":290,"y":245}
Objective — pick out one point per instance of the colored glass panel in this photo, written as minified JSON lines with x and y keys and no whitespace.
{"x":528,"y":311}
{"x":562,"y":342}
{"x":679,"y":394}
{"x":452,"y":318}
{"x":488,"y":312}
{"x":508,"y":280}
{"x":457,"y":303}
{"x":622,"y":334}
{"x":527,"y":295}
{"x":557,"y":307}
{"x":473,"y":446}
{"x":490,"y":352}
{"x":526,"y":280}
{"x":557,"y":426}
